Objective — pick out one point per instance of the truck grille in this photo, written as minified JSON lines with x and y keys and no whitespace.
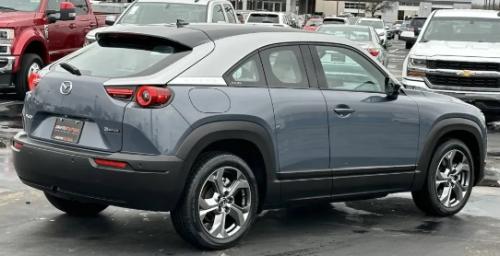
{"x":464,"y":81}
{"x":439,"y":64}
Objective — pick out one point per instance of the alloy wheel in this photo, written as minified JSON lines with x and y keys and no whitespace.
{"x":224,"y":202}
{"x":453,"y":178}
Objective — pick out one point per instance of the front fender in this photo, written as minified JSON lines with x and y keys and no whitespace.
{"x":25,"y":38}
{"x":437,"y":132}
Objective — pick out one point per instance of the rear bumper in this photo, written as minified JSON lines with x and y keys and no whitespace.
{"x":148,"y":182}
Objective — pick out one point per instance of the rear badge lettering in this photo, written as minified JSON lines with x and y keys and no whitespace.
{"x":111,"y":130}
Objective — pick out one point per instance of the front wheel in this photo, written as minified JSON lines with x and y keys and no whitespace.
{"x":219,"y":204}
{"x":30,"y":63}
{"x":449,"y":181}
{"x":75,"y":208}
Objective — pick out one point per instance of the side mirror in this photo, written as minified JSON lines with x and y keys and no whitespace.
{"x":67,"y":11}
{"x":392,"y":89}
{"x":110,"y":20}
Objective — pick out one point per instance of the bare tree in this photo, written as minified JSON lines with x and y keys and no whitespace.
{"x":378,"y":5}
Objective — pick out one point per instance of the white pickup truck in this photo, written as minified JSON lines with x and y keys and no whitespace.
{"x":458,"y":53}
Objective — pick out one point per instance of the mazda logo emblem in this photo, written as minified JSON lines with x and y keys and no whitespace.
{"x":66,"y":87}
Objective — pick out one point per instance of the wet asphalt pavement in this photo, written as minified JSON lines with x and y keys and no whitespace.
{"x":387,"y":226}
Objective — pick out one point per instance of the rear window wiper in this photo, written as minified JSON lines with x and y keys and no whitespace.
{"x":7,"y":8}
{"x":70,"y":68}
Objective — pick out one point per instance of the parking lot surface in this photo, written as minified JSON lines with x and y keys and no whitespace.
{"x":387,"y":226}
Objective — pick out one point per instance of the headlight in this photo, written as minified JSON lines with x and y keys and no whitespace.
{"x":6,"y":36}
{"x":415,"y":66}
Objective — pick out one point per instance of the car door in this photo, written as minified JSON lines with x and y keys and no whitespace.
{"x":301,"y":123}
{"x":83,"y":23}
{"x":373,"y":139}
{"x":58,"y":34}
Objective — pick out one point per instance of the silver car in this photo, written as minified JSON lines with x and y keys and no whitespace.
{"x":365,"y":36}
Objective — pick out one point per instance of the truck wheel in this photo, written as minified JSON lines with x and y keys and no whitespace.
{"x":29,"y":63}
{"x":219,"y":204}
{"x":449,"y":180}
{"x":75,"y":208}
{"x":408,"y":45}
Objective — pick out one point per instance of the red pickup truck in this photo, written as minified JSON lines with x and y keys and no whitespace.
{"x":34,"y":33}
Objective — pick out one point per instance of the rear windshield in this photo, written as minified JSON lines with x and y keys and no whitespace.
{"x":160,"y":13}
{"x":263,"y":18}
{"x":417,"y":23}
{"x":333,"y":21}
{"x":371,"y":23}
{"x":352,"y":33}
{"x":126,"y":56}
{"x":463,"y":29}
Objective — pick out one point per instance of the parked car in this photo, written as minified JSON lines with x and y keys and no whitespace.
{"x":396,"y":27}
{"x":365,"y":36}
{"x":35,"y":33}
{"x":215,"y":123}
{"x":263,"y":18}
{"x":242,"y":16}
{"x":458,"y":53}
{"x":412,"y":30}
{"x":313,"y":24}
{"x":377,"y":24}
{"x":335,"y":20}
{"x":143,"y":12}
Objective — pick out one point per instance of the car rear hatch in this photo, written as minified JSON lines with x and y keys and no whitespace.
{"x":81,"y":109}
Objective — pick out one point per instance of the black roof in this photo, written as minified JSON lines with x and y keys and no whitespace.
{"x":194,"y":34}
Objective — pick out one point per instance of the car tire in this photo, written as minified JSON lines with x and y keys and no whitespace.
{"x":29,"y":63}
{"x":202,"y":207}
{"x":408,"y":45}
{"x":75,"y":208}
{"x":449,"y":181}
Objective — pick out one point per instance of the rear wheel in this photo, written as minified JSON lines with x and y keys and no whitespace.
{"x":75,"y":208}
{"x":30,"y":63}
{"x":449,"y":182}
{"x":219,"y":204}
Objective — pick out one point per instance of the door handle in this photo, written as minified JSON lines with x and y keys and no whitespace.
{"x":93,"y":24}
{"x":343,"y":110}
{"x":72,"y":25}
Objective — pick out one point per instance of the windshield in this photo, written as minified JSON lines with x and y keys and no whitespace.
{"x":263,"y":18}
{"x":19,"y":5}
{"x":377,"y":24}
{"x":137,"y":55}
{"x":159,"y":13}
{"x":463,"y":29}
{"x":353,"y":34}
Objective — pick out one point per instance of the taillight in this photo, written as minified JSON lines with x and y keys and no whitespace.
{"x":150,"y":96}
{"x":17,"y":145}
{"x":33,"y":80}
{"x":374,"y":52}
{"x":121,"y":93}
{"x":110,"y":163}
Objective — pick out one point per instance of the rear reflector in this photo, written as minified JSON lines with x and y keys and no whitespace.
{"x":122,"y":93}
{"x":110,"y":163}
{"x":150,"y":96}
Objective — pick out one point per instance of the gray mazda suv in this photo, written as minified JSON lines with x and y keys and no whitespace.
{"x":215,"y":123}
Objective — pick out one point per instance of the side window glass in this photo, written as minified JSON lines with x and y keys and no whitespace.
{"x":53,"y":5}
{"x":247,"y":73}
{"x":81,"y":7}
{"x":347,"y":70}
{"x":284,"y":67}
{"x":218,"y":14}
{"x":230,"y":13}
